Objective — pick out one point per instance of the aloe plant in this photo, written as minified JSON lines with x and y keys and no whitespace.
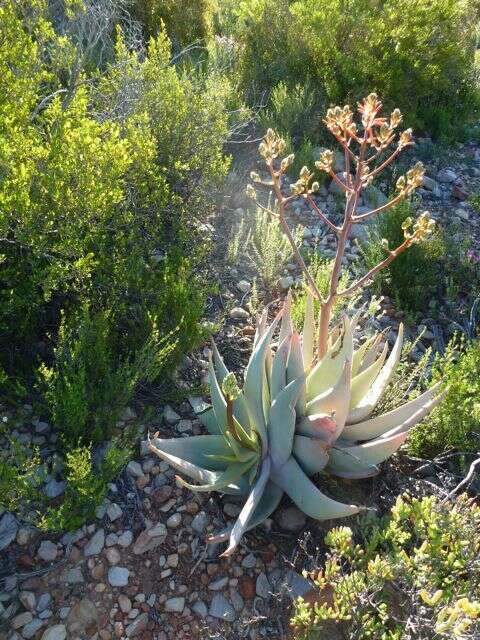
{"x":308,"y":398}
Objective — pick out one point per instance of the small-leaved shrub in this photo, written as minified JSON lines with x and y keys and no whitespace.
{"x":416,"y":276}
{"x":455,"y":424}
{"x":414,"y":574}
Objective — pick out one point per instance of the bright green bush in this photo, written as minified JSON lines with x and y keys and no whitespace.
{"x":416,"y":275}
{"x":86,"y":486}
{"x":455,"y":424}
{"x":418,"y":54}
{"x":90,"y":383}
{"x":413,"y":574}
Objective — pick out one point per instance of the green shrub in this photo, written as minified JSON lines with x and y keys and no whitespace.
{"x":455,"y":424}
{"x":416,"y":275}
{"x":413,"y":574}
{"x":90,"y":384}
{"x":262,"y":242}
{"x":86,"y":486}
{"x":186,"y":22}
{"x":19,"y":474}
{"x":420,"y":55}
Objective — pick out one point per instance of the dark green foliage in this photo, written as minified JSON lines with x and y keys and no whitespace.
{"x":419,"y":56}
{"x":91,"y":383}
{"x":413,"y":278}
{"x":413,"y":574}
{"x":455,"y":424}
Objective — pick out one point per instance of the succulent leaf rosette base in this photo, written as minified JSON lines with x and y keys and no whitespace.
{"x":296,"y":417}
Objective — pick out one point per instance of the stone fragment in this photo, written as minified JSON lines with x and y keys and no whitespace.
{"x":175,"y":605}
{"x":262,"y":586}
{"x":118,"y":576}
{"x":8,"y":530}
{"x":47,"y":551}
{"x":82,"y":615}
{"x":237,"y":313}
{"x":291,"y":519}
{"x":57,"y":632}
{"x":96,"y":543}
{"x":150,"y":539}
{"x":221,"y":608}
{"x":137,"y":627}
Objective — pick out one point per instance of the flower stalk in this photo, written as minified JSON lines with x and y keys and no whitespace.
{"x":363,"y":144}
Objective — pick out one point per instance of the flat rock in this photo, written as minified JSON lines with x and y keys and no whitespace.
{"x":170,"y":416}
{"x":81,"y":615}
{"x":30,"y":629}
{"x":73,"y":576}
{"x":137,"y":627}
{"x":200,"y":522}
{"x":96,"y":543}
{"x":8,"y":529}
{"x":118,"y":576}
{"x":237,"y":313}
{"x":47,"y":551}
{"x":446,"y":176}
{"x":135,"y":469}
{"x":175,"y":605}
{"x":221,"y":608}
{"x":53,"y":489}
{"x":114,"y":511}
{"x":57,"y":632}
{"x":262,"y":586}
{"x":200,"y":609}
{"x":150,"y":539}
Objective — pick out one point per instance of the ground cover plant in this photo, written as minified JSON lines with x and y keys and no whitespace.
{"x":412,"y":574}
{"x":308,"y":405}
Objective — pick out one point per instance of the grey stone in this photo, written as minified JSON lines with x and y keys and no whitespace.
{"x":244,"y":286}
{"x":249,"y":561}
{"x":285,"y":282}
{"x":135,"y":469}
{"x":114,"y":511}
{"x":118,"y":576}
{"x":430,"y":184}
{"x":30,"y":629}
{"x":73,"y":576}
{"x":291,"y":519}
{"x":200,"y":609}
{"x":21,"y":620}
{"x":43,"y":601}
{"x":57,"y":632}
{"x":239,"y":314}
{"x":174,"y":520}
{"x":8,"y":530}
{"x":47,"y":551}
{"x":296,"y":585}
{"x":125,"y":539}
{"x":138,"y":626}
{"x":262,"y":586}
{"x":218,"y":584}
{"x":82,"y":615}
{"x":96,"y":543}
{"x":200,"y":522}
{"x":170,"y":416}
{"x":150,"y":539}
{"x":53,"y":489}
{"x":184,"y":426}
{"x":221,"y":608}
{"x":28,"y":599}
{"x":446,"y":175}
{"x":237,"y":600}
{"x":175,"y":605}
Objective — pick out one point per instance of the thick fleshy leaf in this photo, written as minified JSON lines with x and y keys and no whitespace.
{"x":218,"y":401}
{"x":311,"y":454}
{"x":231,"y":474}
{"x":400,"y":419}
{"x":331,"y":366}
{"x":255,"y":380}
{"x":281,"y":424}
{"x":239,"y":406}
{"x":359,"y":355}
{"x":279,"y":367}
{"x":320,"y":425}
{"x":360,"y":461}
{"x":308,"y":334}
{"x":364,"y":380}
{"x":307,"y":497}
{"x":261,"y":326}
{"x":269,"y":501}
{"x":253,"y":500}
{"x":372,"y":352}
{"x":286,"y":326}
{"x":196,"y":450}
{"x":295,"y":370}
{"x":336,"y":401}
{"x":206,"y":415}
{"x":367,"y":405}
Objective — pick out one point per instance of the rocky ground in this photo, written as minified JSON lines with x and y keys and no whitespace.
{"x":142,"y":568}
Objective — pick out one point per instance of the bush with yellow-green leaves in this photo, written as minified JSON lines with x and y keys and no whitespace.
{"x":414,"y":574}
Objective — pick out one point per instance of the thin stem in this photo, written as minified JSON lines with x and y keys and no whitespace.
{"x":381,"y":265}
{"x":341,"y":184}
{"x":387,"y":205}
{"x":320,"y":213}
{"x":282,"y":202}
{"x":388,"y":161}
